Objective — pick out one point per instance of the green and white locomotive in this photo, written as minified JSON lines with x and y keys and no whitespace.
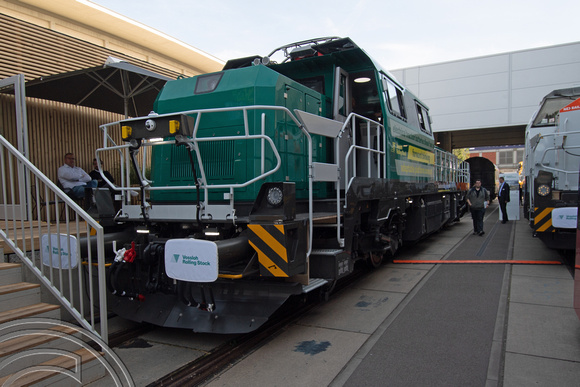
{"x":271,"y":179}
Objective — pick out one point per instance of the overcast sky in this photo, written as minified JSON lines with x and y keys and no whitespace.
{"x":397,"y":33}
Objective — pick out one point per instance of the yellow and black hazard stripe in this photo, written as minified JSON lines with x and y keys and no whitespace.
{"x":543,"y":219}
{"x":270,"y":243}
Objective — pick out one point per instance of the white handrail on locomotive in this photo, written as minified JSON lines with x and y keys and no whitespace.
{"x":448,"y":171}
{"x":213,"y":211}
{"x":203,"y":181}
{"x":351,"y":121}
{"x":464,"y":174}
{"x":564,"y":136}
{"x":194,"y":140}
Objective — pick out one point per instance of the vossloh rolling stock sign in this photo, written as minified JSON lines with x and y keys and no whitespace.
{"x":192,"y":260}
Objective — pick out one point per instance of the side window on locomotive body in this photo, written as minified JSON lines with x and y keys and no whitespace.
{"x":394,"y":97}
{"x":423,"y":117}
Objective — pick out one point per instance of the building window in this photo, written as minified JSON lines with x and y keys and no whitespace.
{"x":506,"y":157}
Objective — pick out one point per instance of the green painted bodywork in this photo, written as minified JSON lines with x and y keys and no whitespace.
{"x":234,"y":162}
{"x":409,"y":150}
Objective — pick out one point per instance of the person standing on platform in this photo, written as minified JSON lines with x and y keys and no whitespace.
{"x":477,"y":199}
{"x":503,"y":196}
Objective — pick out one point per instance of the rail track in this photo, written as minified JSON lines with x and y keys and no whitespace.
{"x":201,"y":370}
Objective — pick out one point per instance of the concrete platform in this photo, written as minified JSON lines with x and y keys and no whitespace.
{"x":437,"y":325}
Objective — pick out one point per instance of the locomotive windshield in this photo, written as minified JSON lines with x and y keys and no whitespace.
{"x":549,"y":113}
{"x":207,"y":83}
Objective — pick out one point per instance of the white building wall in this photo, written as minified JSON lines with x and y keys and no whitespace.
{"x":492,"y":91}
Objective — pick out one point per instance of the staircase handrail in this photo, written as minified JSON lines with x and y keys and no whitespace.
{"x":12,"y":228}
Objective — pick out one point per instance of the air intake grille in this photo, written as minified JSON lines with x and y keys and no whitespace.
{"x":217,"y":158}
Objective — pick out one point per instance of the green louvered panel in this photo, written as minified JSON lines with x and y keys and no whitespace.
{"x":217,"y":158}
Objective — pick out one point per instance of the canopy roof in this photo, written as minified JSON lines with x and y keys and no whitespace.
{"x":117,"y":86}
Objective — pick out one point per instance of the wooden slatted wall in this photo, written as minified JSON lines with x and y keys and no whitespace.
{"x":56,"y":128}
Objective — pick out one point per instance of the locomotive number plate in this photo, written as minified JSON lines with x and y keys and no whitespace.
{"x":192,"y":260}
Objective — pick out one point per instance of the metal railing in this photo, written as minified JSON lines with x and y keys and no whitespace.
{"x":369,"y":151}
{"x":559,"y":144}
{"x":59,"y":242}
{"x":464,"y":173}
{"x":223,"y":211}
{"x":206,"y":186}
{"x":448,"y":169}
{"x":372,"y":129}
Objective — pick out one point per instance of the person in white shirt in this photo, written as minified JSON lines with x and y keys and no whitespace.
{"x":74,"y":179}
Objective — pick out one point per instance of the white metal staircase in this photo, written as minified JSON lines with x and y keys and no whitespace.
{"x":48,"y":246}
{"x":39,"y":357}
{"x":49,"y":251}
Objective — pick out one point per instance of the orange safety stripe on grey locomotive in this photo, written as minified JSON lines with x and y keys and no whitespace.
{"x":269,"y":241}
{"x":543,"y":219}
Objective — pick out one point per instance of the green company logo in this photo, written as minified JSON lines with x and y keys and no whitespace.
{"x":568,"y":217}
{"x":190,"y":260}
{"x":55,"y":251}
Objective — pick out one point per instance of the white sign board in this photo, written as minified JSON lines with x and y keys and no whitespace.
{"x":513,"y":206}
{"x":51,"y":256}
{"x":565,"y":217}
{"x":192,"y":260}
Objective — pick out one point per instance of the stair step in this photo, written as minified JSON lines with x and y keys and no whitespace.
{"x":48,"y":377}
{"x":18,"y":294}
{"x":6,"y":265}
{"x":28,"y":340}
{"x":314,"y":283}
{"x":28,"y":348}
{"x":37,"y":310}
{"x":17,"y":287}
{"x":327,"y":218}
{"x":10,"y":273}
{"x":325,"y":225}
{"x":326,"y":252}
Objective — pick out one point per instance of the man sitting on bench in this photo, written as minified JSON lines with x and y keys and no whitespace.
{"x":75,"y":181}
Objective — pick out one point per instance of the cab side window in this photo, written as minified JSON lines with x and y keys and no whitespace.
{"x":423,"y":118}
{"x":394,"y":98}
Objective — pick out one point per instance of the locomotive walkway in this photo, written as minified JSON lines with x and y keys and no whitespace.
{"x":478,"y":324}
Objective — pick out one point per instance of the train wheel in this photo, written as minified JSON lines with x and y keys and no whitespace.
{"x":375,"y":259}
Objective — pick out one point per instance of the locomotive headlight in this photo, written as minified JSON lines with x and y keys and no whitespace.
{"x":543,"y":190}
{"x":211,"y":232}
{"x":142,"y":230}
{"x":126,"y":132}
{"x":173,"y":126}
{"x":150,"y":125}
{"x":275,"y":196}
